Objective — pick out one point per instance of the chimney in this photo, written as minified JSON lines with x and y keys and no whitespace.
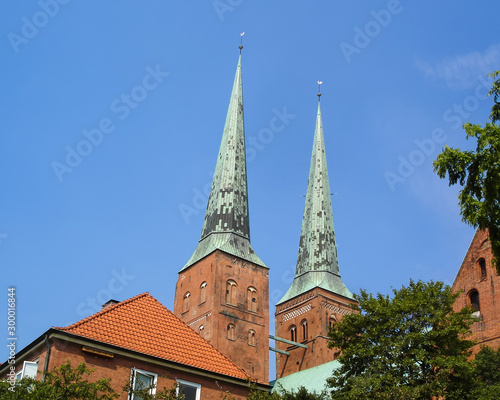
{"x":109,"y":303}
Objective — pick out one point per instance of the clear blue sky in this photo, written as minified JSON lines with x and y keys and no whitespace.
{"x":155,"y":78}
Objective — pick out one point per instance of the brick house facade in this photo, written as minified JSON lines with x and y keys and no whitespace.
{"x":479,"y":286}
{"x":137,"y":338}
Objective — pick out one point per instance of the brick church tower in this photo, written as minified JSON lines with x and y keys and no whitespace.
{"x":317,"y":297}
{"x":479,"y":283}
{"x":223,"y":291}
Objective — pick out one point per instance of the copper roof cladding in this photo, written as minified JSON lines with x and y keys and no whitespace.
{"x":317,"y":262}
{"x":226,"y":226}
{"x":142,"y":324}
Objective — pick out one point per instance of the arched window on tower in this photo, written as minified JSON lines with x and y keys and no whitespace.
{"x":231,"y":292}
{"x":186,"y":301}
{"x":203,"y":292}
{"x":252,"y":299}
{"x":231,"y":332}
{"x":303,"y":324}
{"x":474,"y":302}
{"x":251,"y":338}
{"x":332,"y":321}
{"x":293,"y":333}
{"x":482,"y":267}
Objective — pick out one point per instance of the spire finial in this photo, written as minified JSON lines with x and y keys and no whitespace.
{"x":319,"y":90}
{"x":241,"y":41}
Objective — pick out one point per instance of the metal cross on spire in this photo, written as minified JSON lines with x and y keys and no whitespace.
{"x":241,"y":41}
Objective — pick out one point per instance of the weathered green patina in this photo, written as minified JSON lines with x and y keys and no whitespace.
{"x":313,"y":379}
{"x":317,"y":263}
{"x":226,"y":226}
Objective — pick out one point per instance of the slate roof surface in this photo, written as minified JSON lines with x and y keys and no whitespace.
{"x":144,"y":325}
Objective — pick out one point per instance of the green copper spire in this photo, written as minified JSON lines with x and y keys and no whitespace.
{"x":317,"y":263}
{"x":226,"y":226}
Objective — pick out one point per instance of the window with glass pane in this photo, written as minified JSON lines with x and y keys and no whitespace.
{"x":30,"y":369}
{"x":142,"y":380}
{"x":190,"y":390}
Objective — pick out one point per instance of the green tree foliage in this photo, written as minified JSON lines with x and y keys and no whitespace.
{"x":478,"y":172}
{"x":495,"y":92}
{"x":63,"y":383}
{"x":487,"y":370}
{"x":410,"y":346}
{"x":281,"y":394}
{"x":163,"y":394}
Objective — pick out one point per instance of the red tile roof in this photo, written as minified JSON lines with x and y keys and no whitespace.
{"x":145,"y":325}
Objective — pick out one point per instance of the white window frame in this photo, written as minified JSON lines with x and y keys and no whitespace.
{"x":19,"y":375}
{"x":187,"y":383}
{"x":35,"y":363}
{"x":133,"y":373}
{"x":22,"y":372}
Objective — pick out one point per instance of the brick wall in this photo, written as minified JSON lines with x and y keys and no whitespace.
{"x":118,"y":368}
{"x":212,"y":317}
{"x":317,"y":309}
{"x":478,"y":275}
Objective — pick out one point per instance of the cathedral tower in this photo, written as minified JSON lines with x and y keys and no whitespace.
{"x":317,"y":297}
{"x":223,"y":292}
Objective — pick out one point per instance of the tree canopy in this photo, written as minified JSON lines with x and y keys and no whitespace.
{"x":487,"y":369}
{"x":63,"y":383}
{"x":68,"y":383}
{"x":408,"y":346}
{"x":281,"y":394}
{"x":479,"y":173}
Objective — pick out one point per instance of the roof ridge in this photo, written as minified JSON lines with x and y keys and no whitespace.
{"x":163,"y":314}
{"x":478,"y":232}
{"x":201,"y":337}
{"x":101,"y":312}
